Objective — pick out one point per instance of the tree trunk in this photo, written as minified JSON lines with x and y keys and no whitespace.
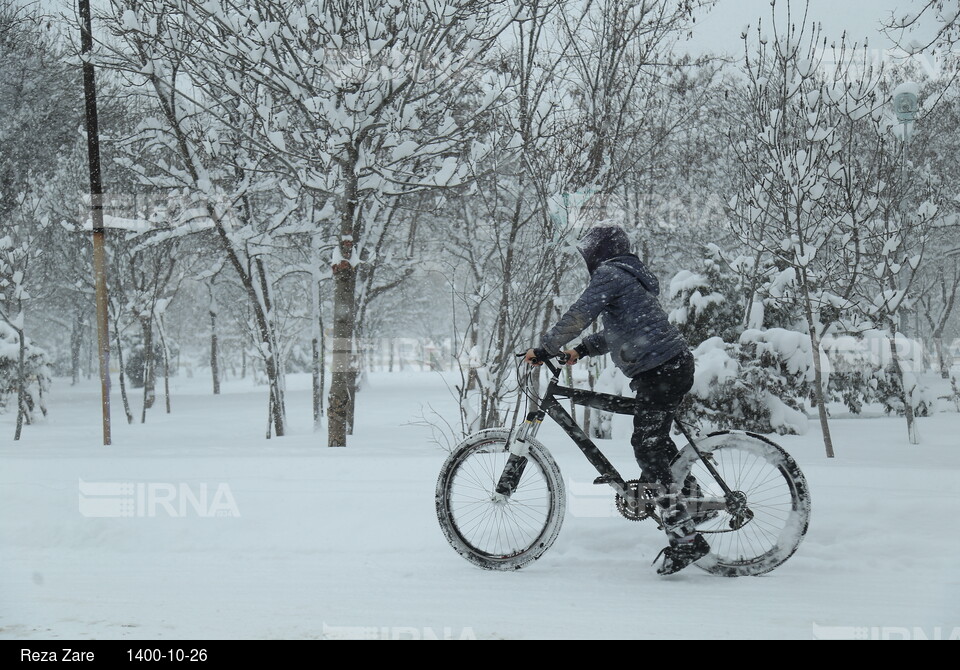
{"x":316,"y":350}
{"x":273,"y":363}
{"x":817,"y":369}
{"x":339,"y":408}
{"x":323,"y":362}
{"x":166,"y":365}
{"x":214,"y":348}
{"x":354,"y":381}
{"x":341,"y":380}
{"x":214,"y":354}
{"x":906,"y":394}
{"x":818,"y":392}
{"x":315,"y":379}
{"x":76,"y":345}
{"x":41,"y":400}
{"x":21,"y":382}
{"x":91,"y":346}
{"x":259,"y":301}
{"x":941,"y":358}
{"x":472,"y":339}
{"x":123,"y":372}
{"x":270,"y":413}
{"x":149,"y":378}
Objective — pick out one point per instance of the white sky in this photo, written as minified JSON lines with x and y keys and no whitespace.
{"x":719,"y":29}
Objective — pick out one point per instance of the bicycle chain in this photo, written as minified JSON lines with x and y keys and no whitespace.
{"x":633,"y":486}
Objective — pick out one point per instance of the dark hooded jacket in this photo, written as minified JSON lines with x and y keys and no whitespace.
{"x":636,"y":332}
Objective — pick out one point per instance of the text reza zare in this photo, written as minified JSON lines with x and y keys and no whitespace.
{"x":63,"y":655}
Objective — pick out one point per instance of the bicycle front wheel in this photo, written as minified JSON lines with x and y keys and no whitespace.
{"x":488,"y":531}
{"x":771,"y":492}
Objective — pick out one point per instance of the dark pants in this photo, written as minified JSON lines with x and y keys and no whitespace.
{"x":659,"y":393}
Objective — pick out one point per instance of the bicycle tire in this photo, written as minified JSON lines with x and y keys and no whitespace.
{"x":499,"y":535}
{"x":776,"y":493}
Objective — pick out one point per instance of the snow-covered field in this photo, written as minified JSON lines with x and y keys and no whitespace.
{"x":299,"y":541}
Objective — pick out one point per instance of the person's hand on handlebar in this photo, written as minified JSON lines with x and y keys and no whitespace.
{"x":531,"y":358}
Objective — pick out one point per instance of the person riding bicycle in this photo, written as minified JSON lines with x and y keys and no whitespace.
{"x":649,"y":350}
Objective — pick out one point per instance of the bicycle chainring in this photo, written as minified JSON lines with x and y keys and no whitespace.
{"x":642,"y":510}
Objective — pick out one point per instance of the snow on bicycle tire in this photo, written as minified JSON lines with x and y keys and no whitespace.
{"x":488,"y":531}
{"x":776,"y":494}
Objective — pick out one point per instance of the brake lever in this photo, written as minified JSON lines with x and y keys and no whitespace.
{"x":533,"y":361}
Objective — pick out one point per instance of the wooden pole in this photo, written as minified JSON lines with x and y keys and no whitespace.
{"x":96,"y":212}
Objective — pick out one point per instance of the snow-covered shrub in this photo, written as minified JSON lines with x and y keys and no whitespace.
{"x":713,"y":300}
{"x":37,"y":371}
{"x":861,"y":372}
{"x":754,"y":384}
{"x":753,"y":379}
{"x":707,"y":300}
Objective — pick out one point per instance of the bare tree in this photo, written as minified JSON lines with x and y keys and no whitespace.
{"x":805,"y":196}
{"x":937,"y":294}
{"x":219,"y":156}
{"x":935,"y":22}
{"x":37,"y":113}
{"x":350,"y":99}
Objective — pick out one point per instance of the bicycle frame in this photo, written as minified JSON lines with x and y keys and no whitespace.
{"x":550,"y":405}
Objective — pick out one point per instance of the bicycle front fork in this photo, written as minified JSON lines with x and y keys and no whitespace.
{"x":517,"y":462}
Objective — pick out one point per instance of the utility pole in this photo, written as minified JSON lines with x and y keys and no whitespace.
{"x":96,"y":212}
{"x":905,"y":105}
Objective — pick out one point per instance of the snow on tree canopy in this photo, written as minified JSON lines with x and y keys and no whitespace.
{"x":862,"y":372}
{"x":783,"y":280}
{"x":714,"y":367}
{"x":685,"y":280}
{"x":790,"y":346}
{"x":755,"y":384}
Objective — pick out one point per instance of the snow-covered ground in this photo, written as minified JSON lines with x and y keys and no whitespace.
{"x":299,"y":541}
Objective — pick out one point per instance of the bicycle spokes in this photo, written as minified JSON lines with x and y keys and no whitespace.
{"x":762,"y":519}
{"x":499,"y":525}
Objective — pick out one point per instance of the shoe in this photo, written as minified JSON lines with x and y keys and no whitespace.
{"x":681,"y":554}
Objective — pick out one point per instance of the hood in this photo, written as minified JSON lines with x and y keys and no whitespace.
{"x":634,"y":266}
{"x":601,"y":243}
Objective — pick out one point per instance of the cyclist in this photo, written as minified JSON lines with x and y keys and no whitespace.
{"x":649,"y":350}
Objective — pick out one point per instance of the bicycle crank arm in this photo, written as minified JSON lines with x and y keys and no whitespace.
{"x":614,"y":481}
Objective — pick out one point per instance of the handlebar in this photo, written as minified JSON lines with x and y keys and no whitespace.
{"x":563,"y":357}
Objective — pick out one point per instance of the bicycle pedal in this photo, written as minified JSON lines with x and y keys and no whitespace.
{"x":604,"y":479}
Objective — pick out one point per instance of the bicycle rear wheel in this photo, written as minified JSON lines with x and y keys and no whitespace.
{"x":774,"y":490}
{"x":492,"y":533}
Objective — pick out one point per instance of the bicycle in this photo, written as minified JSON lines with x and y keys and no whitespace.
{"x":500,"y":496}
